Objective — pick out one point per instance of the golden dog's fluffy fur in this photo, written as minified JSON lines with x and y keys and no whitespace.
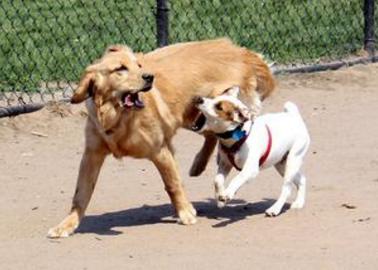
{"x":121,"y":79}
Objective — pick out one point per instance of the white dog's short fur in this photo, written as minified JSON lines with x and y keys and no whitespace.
{"x":289,"y":142}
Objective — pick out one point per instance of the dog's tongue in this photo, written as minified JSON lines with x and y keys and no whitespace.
{"x":132,"y":100}
{"x":128,"y":101}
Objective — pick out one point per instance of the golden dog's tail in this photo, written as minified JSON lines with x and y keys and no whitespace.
{"x":265,"y":80}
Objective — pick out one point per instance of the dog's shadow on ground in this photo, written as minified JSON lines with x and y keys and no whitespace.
{"x":236,"y":210}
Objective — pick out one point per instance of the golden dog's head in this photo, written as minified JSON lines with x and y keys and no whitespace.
{"x":115,"y":82}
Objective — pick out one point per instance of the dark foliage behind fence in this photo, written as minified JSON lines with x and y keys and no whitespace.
{"x":45,"y":45}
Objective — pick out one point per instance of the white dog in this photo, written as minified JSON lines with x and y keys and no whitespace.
{"x":279,"y":139}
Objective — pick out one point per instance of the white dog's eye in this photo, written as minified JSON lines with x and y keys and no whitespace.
{"x":218,"y":106}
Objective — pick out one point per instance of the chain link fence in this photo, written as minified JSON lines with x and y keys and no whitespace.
{"x":45,"y":45}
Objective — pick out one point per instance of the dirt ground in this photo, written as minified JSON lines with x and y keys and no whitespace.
{"x":130,"y":223}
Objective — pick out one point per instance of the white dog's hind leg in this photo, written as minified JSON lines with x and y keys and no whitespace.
{"x":300,"y":183}
{"x":276,"y":208}
{"x":299,"y":179}
{"x":291,"y":170}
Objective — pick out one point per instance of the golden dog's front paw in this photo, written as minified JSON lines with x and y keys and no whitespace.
{"x":65,"y":228}
{"x":192,"y":210}
{"x":59,"y":232}
{"x":188,"y":215}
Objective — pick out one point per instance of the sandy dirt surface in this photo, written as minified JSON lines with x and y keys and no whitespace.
{"x":130,"y":223}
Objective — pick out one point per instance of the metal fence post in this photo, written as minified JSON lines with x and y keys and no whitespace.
{"x":369,"y":42}
{"x":162,"y":23}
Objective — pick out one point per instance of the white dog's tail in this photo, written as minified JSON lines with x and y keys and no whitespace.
{"x":290,"y":107}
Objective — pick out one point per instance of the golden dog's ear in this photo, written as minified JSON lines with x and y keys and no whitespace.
{"x":140,"y":57}
{"x":232,"y":91}
{"x":116,"y":48}
{"x":85,"y":88}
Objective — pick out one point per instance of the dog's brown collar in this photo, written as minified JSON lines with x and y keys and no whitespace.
{"x":231,"y":151}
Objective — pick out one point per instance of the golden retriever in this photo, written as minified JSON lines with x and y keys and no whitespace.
{"x":136,"y":103}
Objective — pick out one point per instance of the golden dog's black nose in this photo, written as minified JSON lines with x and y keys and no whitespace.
{"x":198,"y":100}
{"x":149,"y":78}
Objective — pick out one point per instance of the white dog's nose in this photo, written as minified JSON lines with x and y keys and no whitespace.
{"x":198,"y":100}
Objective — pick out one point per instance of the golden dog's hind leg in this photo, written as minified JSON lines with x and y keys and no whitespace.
{"x":167,"y":166}
{"x":203,"y":156}
{"x":90,"y":166}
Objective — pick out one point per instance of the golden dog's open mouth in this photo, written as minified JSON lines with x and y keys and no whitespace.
{"x":130,"y":100}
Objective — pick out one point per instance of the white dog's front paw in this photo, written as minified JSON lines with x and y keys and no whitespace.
{"x":224,"y":198}
{"x":219,"y":199}
{"x":220,"y":204}
{"x":273,"y":211}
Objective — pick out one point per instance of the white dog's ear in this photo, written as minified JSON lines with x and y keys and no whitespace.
{"x":233,"y":91}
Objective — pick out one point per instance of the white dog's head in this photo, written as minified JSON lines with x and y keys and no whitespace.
{"x":223,"y":113}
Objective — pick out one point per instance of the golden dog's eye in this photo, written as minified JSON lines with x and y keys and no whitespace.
{"x":139,"y":65}
{"x":121,"y":68}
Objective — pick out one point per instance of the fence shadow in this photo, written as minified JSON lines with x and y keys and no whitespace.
{"x":237,"y":210}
